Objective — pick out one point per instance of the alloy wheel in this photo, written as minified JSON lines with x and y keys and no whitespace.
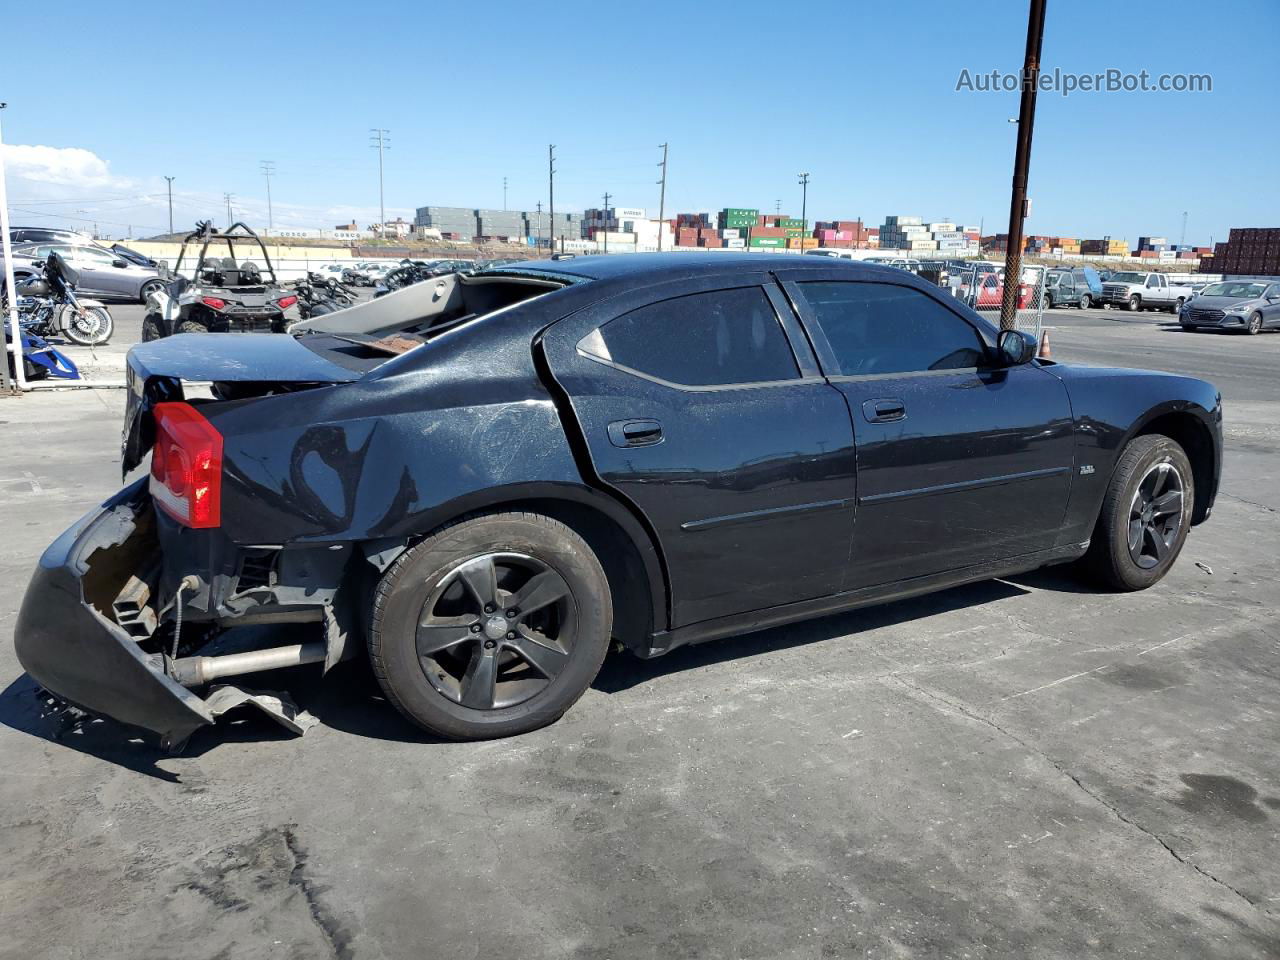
{"x":496,"y":630}
{"x":1155,"y":515}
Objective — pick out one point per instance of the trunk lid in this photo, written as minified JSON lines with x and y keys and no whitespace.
{"x":157,"y":369}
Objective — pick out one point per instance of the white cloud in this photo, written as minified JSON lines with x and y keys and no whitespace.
{"x":57,"y":169}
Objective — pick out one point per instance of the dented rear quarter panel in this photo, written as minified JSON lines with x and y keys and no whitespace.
{"x":397,"y":453}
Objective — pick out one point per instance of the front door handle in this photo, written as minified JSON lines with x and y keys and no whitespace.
{"x":635,"y":433}
{"x":884,"y":410}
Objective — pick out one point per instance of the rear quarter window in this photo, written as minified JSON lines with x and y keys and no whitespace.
{"x":717,"y":338}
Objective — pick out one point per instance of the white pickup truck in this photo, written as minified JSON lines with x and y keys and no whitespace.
{"x":1145,"y":291}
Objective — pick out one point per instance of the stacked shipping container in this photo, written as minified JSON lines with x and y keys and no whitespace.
{"x":1249,"y":251}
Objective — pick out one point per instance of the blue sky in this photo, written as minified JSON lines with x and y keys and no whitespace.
{"x":861,"y":96}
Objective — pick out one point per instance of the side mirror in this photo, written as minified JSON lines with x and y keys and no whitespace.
{"x":119,"y":263}
{"x":1015,"y":347}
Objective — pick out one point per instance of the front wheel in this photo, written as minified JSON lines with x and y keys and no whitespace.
{"x":1254,"y":325}
{"x":152,"y":329}
{"x":1085,"y":301}
{"x":1145,"y":515}
{"x":492,"y":626}
{"x":1135,"y":303}
{"x":1177,"y":305}
{"x":90,"y":327}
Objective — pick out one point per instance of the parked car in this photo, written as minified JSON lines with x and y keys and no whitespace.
{"x":481,"y":481}
{"x":1145,"y":291}
{"x":1249,"y":306}
{"x":102,"y":272}
{"x":49,"y":235}
{"x":1077,"y":287}
{"x":133,"y":256}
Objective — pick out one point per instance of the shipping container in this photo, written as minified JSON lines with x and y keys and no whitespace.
{"x":768,"y":242}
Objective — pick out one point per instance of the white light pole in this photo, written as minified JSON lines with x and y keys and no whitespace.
{"x":15,"y":341}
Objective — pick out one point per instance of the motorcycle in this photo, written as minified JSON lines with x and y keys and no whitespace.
{"x":319,"y":295}
{"x":48,"y":307}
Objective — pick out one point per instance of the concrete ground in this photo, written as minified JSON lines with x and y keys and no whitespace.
{"x":1014,"y":769}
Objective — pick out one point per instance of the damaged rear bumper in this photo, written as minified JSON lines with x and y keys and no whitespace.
{"x":97,"y":621}
{"x":66,"y":641}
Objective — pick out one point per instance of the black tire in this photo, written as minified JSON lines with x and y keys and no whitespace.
{"x":1135,"y":302}
{"x":430,"y":688}
{"x":191,"y":326}
{"x":1254,"y":326}
{"x":1085,"y":301}
{"x":1177,"y":305}
{"x":151,"y":328}
{"x":147,"y":289}
{"x":1111,"y":559}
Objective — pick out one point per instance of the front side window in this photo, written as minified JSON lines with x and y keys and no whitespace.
{"x":703,"y":339}
{"x":880,"y":328}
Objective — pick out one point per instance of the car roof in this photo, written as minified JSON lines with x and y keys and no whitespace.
{"x":640,"y":267}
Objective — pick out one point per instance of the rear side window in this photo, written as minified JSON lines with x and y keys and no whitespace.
{"x":880,"y":328}
{"x":704,"y":339}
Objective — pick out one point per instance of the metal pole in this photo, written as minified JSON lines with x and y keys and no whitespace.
{"x":551,"y":187}
{"x":538,"y":245}
{"x":1021,"y":164}
{"x":15,"y":339}
{"x":268,"y":168}
{"x":170,"y":179}
{"x":227,"y":197}
{"x":504,"y":193}
{"x":380,"y":140}
{"x":804,"y":207}
{"x":606,"y":221}
{"x":662,"y":195}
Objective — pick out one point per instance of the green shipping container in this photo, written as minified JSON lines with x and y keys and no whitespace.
{"x":791,"y":222}
{"x":767,"y":242}
{"x":794,"y":231}
{"x":740,"y":212}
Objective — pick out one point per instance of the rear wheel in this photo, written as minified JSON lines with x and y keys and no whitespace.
{"x":191,"y":326}
{"x":1255,"y":323}
{"x":1145,"y":515}
{"x":1177,"y":305}
{"x":491,"y":627}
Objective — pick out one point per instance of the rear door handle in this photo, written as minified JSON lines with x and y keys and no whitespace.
{"x":635,"y":433}
{"x":884,"y":410}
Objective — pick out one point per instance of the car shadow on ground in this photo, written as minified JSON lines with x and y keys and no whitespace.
{"x":349,"y":699}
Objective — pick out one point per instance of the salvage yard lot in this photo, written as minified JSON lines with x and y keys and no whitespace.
{"x":1011,"y":769}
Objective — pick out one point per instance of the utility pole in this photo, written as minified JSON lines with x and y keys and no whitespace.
{"x":804,"y":206}
{"x":777,"y":207}
{"x":662,"y":195}
{"x":268,"y":168}
{"x":170,"y":179}
{"x":1182,"y":240}
{"x":15,"y":340}
{"x":1021,"y":164}
{"x":380,"y":141}
{"x":551,"y":187}
{"x":539,"y":221}
{"x":504,"y":193}
{"x":607,"y":195}
{"x":227,"y":198}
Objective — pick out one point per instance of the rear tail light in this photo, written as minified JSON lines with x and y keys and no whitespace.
{"x":186,"y":466}
{"x":216,"y":303}
{"x":284,"y":303}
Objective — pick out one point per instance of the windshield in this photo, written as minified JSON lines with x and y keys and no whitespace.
{"x":1129,"y":277}
{"x":1234,"y":289}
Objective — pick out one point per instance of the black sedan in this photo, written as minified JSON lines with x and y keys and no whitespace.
{"x":480,"y":481}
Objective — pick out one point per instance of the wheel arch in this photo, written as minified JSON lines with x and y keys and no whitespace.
{"x":632,"y":562}
{"x":1190,"y":432}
